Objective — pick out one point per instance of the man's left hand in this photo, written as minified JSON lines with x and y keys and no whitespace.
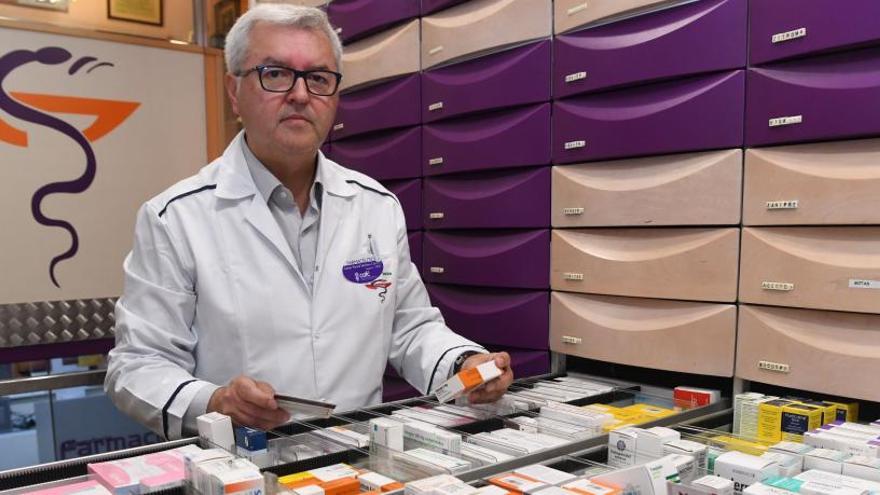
{"x":494,"y":389}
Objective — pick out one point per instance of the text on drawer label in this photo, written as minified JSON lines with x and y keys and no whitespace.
{"x":790,"y":120}
{"x":436,"y":215}
{"x":858,"y":283}
{"x":771,"y":366}
{"x":577,"y":76}
{"x":577,"y":8}
{"x":435,"y":106}
{"x":573,"y":276}
{"x":435,"y":161}
{"x":338,"y":127}
{"x":789,"y":35}
{"x":572,"y":211}
{"x":783,"y":286}
{"x":575,"y":144}
{"x":791,"y":204}
{"x":437,"y":269}
{"x":568,"y":339}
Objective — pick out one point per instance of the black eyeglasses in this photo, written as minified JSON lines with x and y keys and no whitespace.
{"x":280,"y":79}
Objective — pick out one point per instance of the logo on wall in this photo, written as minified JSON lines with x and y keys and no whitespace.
{"x":39,"y":109}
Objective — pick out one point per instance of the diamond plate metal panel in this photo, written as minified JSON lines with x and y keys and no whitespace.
{"x":52,"y":322}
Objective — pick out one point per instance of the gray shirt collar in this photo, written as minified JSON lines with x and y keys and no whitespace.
{"x":267,"y":183}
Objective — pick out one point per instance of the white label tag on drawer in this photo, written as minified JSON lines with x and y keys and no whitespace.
{"x":791,"y":204}
{"x":790,"y":120}
{"x":575,"y":144}
{"x":783,"y":286}
{"x":567,"y":339}
{"x":771,"y":366}
{"x":436,"y":215}
{"x":338,"y":127}
{"x":435,"y":161}
{"x":435,"y":106}
{"x":577,"y":76}
{"x":338,"y":30}
{"x":435,"y":50}
{"x":857,"y":283}
{"x":788,"y":35}
{"x":437,"y":269}
{"x":577,"y":8}
{"x":572,"y":211}
{"x":573,"y":276}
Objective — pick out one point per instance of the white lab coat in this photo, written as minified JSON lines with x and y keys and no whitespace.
{"x":212,"y":291}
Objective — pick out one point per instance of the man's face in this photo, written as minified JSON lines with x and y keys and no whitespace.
{"x":281,"y":124}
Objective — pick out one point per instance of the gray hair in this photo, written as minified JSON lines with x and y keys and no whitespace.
{"x":238,"y":39}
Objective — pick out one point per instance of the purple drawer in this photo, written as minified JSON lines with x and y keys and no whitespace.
{"x":387,"y":155}
{"x":368,"y":109}
{"x":518,"y":198}
{"x":502,"y":317}
{"x":828,"y":97}
{"x":518,"y":258}
{"x":415,"y":248}
{"x":528,"y":363}
{"x":689,"y":39}
{"x":787,"y":28}
{"x":409,"y":193}
{"x":396,"y":388}
{"x":509,"y":138}
{"x":698,"y":113}
{"x":493,"y":81}
{"x":431,"y":6}
{"x":355,"y":19}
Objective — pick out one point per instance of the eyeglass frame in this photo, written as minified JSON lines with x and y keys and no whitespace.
{"x":297,"y":74}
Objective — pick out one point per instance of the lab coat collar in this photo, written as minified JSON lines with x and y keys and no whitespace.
{"x":234,"y":180}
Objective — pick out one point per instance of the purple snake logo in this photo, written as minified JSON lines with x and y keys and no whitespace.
{"x":35,"y":109}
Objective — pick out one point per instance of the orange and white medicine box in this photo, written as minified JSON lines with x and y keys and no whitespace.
{"x":467,"y":380}
{"x":695,"y":397}
{"x":518,"y":483}
{"x":372,"y":481}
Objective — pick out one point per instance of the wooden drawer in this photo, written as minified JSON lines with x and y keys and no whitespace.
{"x":836,"y":268}
{"x":823,"y":183}
{"x":822,"y":351}
{"x":691,"y":264}
{"x":574,"y":14}
{"x":687,"y":337}
{"x":691,"y":189}
{"x":481,"y":25}
{"x":382,"y":56}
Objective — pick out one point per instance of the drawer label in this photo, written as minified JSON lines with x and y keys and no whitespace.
{"x":771,"y":366}
{"x":790,"y":120}
{"x":437,"y":269}
{"x":437,"y":215}
{"x":435,"y":106}
{"x":789,"y":35}
{"x":436,"y":161}
{"x":577,"y":277}
{"x":338,"y":127}
{"x":577,"y":76}
{"x":857,"y":283}
{"x":568,"y":339}
{"x":572,"y":211}
{"x":575,"y":144}
{"x":781,"y":286}
{"x":435,"y":50}
{"x":791,"y":204}
{"x":577,"y":8}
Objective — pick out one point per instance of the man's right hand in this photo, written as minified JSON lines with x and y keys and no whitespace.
{"x":250,"y":403}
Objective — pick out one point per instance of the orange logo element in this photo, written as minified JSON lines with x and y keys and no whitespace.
{"x":109,"y":114}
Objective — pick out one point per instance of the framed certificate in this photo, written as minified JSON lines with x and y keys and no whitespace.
{"x":143,"y":11}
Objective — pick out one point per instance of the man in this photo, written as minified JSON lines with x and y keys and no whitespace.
{"x":274,"y":268}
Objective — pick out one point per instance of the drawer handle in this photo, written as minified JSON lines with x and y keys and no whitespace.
{"x":575,"y":144}
{"x":435,"y":106}
{"x":572,"y":211}
{"x":338,"y":127}
{"x":577,"y":76}
{"x":568,"y":339}
{"x":436,"y":161}
{"x":577,"y":8}
{"x":437,"y":269}
{"x":789,"y":120}
{"x":858,"y":283}
{"x":435,"y":50}
{"x":789,"y":35}
{"x":575,"y":277}
{"x":437,"y":215}
{"x":780,"y":286}
{"x":771,"y":366}
{"x":790,"y":204}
